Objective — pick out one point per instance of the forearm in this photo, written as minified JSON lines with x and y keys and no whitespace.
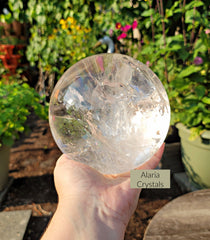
{"x":82,"y":222}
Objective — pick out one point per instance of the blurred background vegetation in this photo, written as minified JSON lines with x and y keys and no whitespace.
{"x":170,"y":37}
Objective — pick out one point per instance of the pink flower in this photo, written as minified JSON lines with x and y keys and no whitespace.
{"x":207,"y":31}
{"x":147,"y":63}
{"x":126,"y":28}
{"x":198,"y":61}
{"x":110,"y":32}
{"x":118,"y":25}
{"x":134,"y":24}
{"x":122,"y":35}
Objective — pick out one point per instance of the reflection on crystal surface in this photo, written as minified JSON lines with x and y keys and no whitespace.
{"x":109,"y":111}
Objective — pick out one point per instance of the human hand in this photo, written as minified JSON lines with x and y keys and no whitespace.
{"x":95,"y":206}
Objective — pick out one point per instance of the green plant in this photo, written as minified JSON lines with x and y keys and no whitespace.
{"x":57,"y":41}
{"x":6,"y":17}
{"x":18,"y":7}
{"x":54,"y":45}
{"x":180,"y":57}
{"x":15,"y":11}
{"x":18,"y":100}
{"x":2,"y":68}
{"x":57,"y":48}
{"x":12,"y":40}
{"x":189,"y":86}
{"x":190,"y":97}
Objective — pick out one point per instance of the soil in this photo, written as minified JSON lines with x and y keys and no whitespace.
{"x":32,"y":161}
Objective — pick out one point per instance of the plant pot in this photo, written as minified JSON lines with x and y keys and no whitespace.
{"x":7,"y":49}
{"x":10,"y":62}
{"x":8,"y":65}
{"x":196,"y":157}
{"x":4,"y":59}
{"x":14,"y":60}
{"x":4,"y":166}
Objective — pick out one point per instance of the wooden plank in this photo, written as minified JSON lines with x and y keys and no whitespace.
{"x":186,"y":217}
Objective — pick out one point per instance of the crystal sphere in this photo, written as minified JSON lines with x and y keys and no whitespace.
{"x":109,"y":111}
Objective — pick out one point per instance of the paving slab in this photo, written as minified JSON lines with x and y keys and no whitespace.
{"x":184,"y":218}
{"x":13,"y":224}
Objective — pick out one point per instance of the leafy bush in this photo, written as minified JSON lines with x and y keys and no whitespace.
{"x":18,"y":100}
{"x":57,"y":48}
{"x":57,"y":41}
{"x":177,"y":50}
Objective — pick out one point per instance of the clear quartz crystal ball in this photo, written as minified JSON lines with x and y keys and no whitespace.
{"x":110,"y":112}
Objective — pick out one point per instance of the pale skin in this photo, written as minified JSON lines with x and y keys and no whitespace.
{"x":92,"y":205}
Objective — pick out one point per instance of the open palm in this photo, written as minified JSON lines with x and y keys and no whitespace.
{"x":110,"y":193}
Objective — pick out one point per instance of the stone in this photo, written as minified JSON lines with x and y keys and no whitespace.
{"x":110,"y":112}
{"x":13,"y":224}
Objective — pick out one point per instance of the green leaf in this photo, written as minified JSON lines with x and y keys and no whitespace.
{"x":8,"y":141}
{"x":178,"y":10}
{"x":193,"y":4}
{"x":58,"y":16}
{"x":190,"y":97}
{"x":179,"y":83}
{"x":148,"y":23}
{"x":20,"y":129}
{"x":173,"y":94}
{"x":206,"y":100}
{"x":189,"y":16}
{"x":200,"y":91}
{"x":148,"y":13}
{"x":175,"y":39}
{"x":41,"y":19}
{"x":199,"y":48}
{"x":195,"y":132}
{"x":175,"y":47}
{"x":194,"y":119}
{"x":38,"y":9}
{"x":206,"y":120}
{"x":197,"y":78}
{"x":169,"y":12}
{"x":187,"y":71}
{"x":183,"y":54}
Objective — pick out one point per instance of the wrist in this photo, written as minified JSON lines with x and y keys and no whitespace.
{"x":86,"y":219}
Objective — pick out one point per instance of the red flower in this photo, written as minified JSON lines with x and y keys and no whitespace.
{"x":122,"y":35}
{"x":134,"y":24}
{"x":118,"y":25}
